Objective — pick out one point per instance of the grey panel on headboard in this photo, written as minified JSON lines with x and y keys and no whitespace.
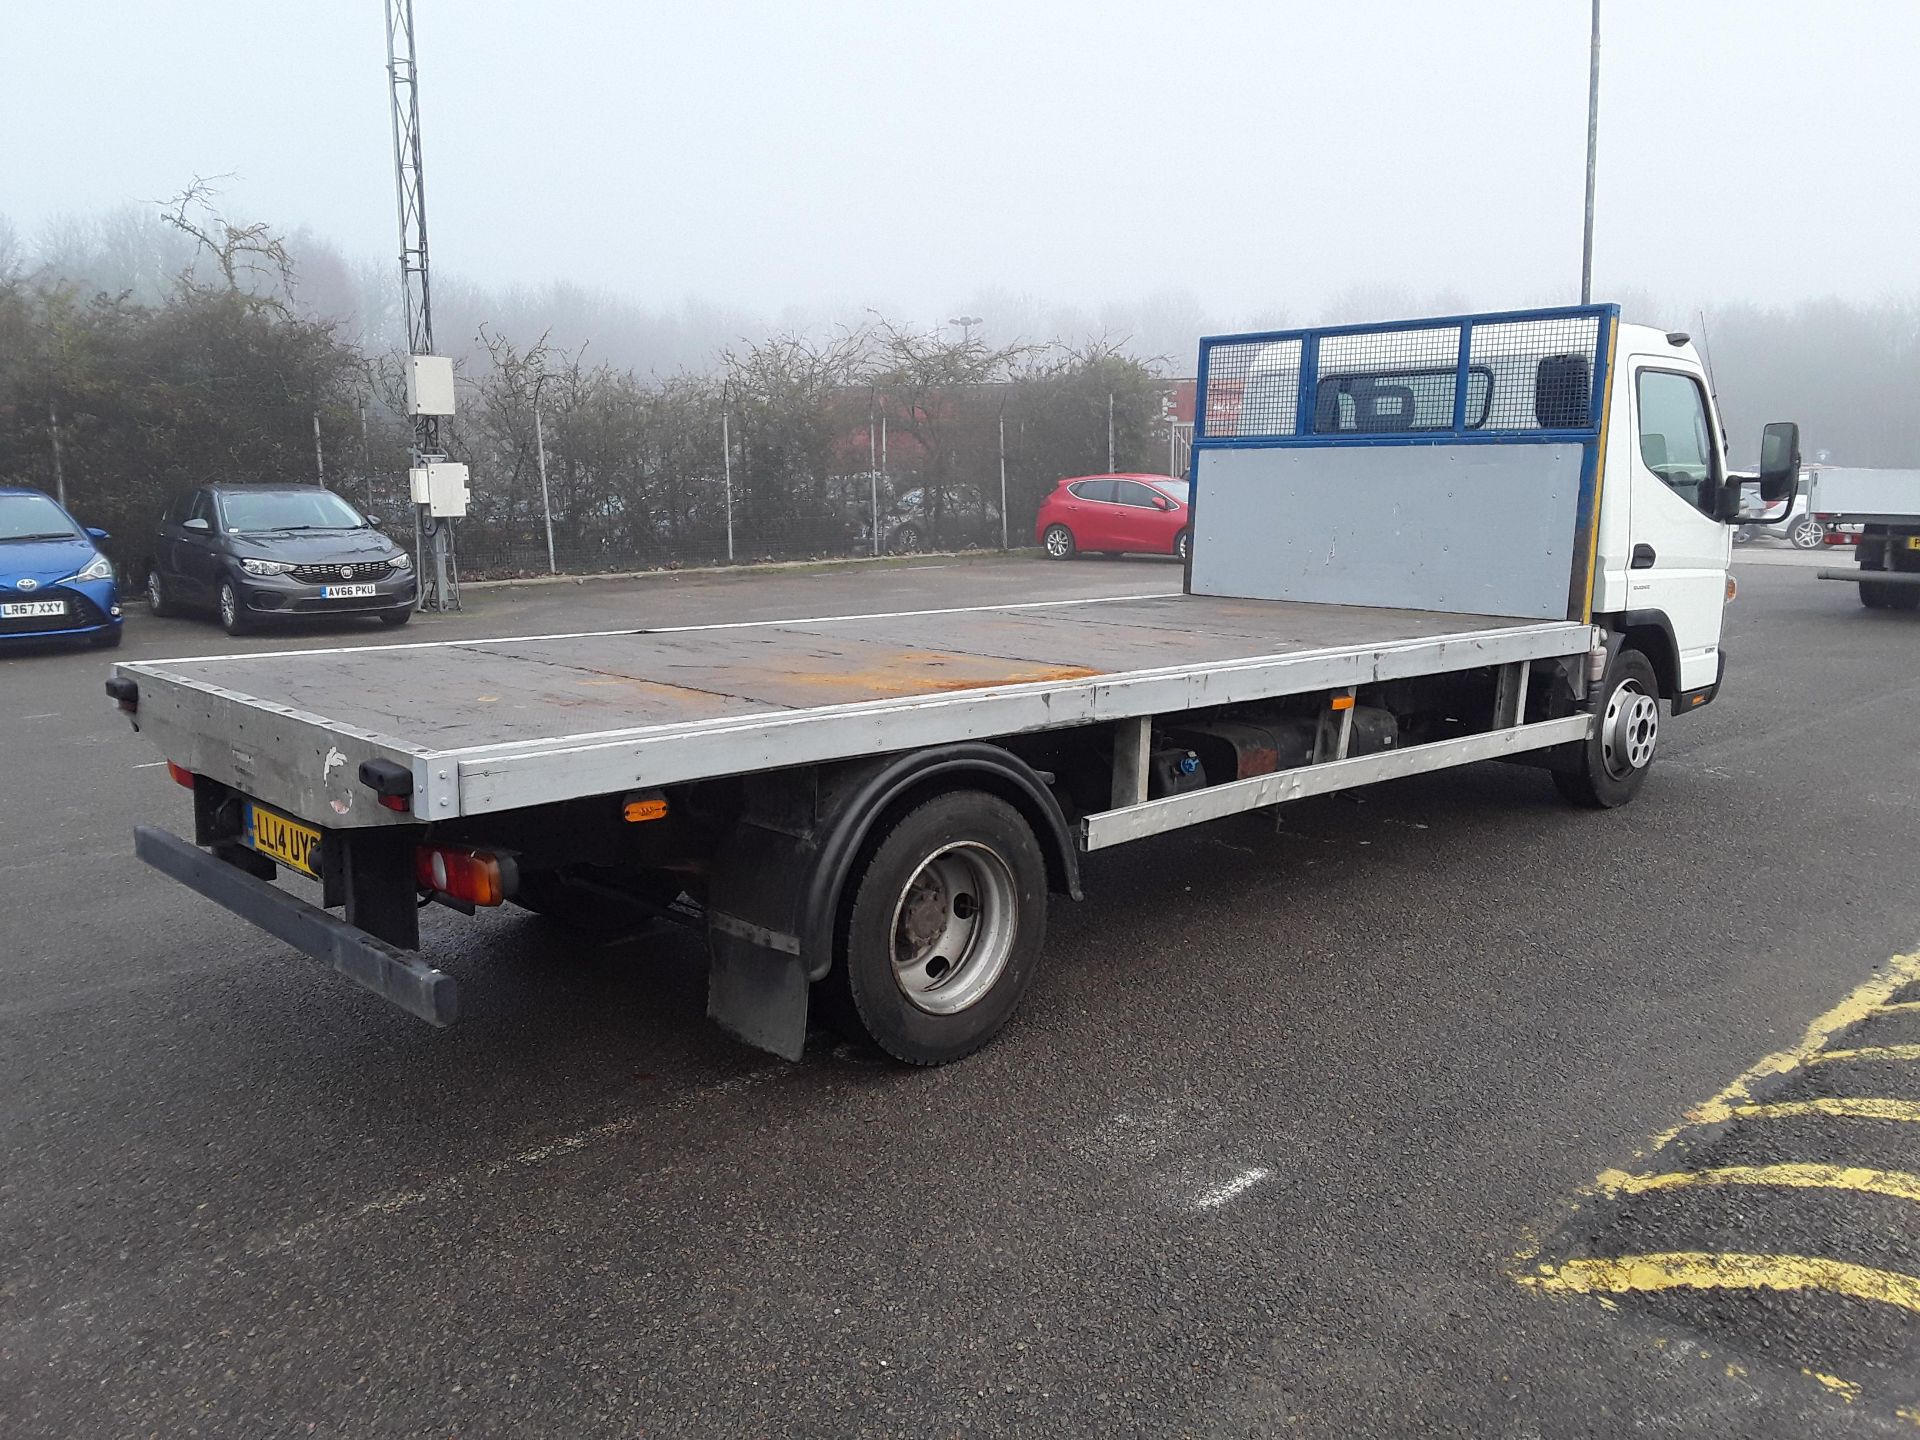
{"x":1477,"y":529}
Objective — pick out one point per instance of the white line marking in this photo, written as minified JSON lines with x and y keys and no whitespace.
{"x":658,"y":629}
{"x":1214,"y":1196}
{"x":150,"y":765}
{"x":49,"y":715}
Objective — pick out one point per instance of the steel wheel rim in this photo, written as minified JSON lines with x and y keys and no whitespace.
{"x":153,"y":589}
{"x":1056,"y":542}
{"x":953,"y":928}
{"x":229,"y":604}
{"x":1629,"y":731}
{"x":1806,"y":534}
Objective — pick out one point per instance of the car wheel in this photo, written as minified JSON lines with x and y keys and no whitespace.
{"x":1058,"y":542}
{"x":1183,"y":544}
{"x":394,"y":619}
{"x":1614,"y":760}
{"x":1807,"y":533}
{"x":233,"y":619}
{"x":944,"y":933}
{"x":106,"y":639}
{"x":159,"y":598}
{"x":1883,"y":595}
{"x":907,"y":540}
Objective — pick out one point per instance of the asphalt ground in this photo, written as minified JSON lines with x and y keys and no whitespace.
{"x":1306,"y":1129}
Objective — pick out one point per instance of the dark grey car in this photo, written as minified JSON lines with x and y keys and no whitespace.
{"x":251,"y":553}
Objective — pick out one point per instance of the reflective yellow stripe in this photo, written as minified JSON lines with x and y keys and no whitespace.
{"x":1896,"y":1184}
{"x":1600,"y":472}
{"x":1699,"y":1270}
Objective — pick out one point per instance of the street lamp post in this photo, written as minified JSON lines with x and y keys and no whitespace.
{"x":1593,"y":140}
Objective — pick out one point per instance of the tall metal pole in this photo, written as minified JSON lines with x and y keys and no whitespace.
{"x":438,"y":589}
{"x":546,"y":502}
{"x":726,"y":460}
{"x":1593,"y":142}
{"x":873,"y":477}
{"x":1109,"y":432}
{"x":319,"y":459}
{"x":1003,"y":478}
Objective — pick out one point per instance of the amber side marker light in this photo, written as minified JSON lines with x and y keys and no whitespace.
{"x":638,"y":809}
{"x":180,"y":774}
{"x":1342,"y":702}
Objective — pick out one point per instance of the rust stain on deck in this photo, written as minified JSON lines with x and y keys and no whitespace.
{"x":930,"y":672}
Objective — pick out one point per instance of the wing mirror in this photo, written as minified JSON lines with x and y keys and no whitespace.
{"x":94,"y":532}
{"x":1160,"y":502}
{"x":1779,"y":461}
{"x":198,"y":525}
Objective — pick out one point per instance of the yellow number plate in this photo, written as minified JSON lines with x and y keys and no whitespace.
{"x":1913,"y":542}
{"x":288,"y":841}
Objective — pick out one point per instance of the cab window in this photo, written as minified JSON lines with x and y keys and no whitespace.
{"x":1675,"y":436}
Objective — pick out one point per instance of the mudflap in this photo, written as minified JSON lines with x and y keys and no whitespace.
{"x":757,"y":982}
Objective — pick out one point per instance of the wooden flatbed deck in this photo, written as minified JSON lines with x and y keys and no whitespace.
{"x":499,"y":723}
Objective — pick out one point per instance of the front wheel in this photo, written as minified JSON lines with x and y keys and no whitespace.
{"x":944,"y":933}
{"x":1807,"y":533}
{"x":1058,"y":542}
{"x":394,"y":619}
{"x":233,"y":618}
{"x":907,"y":540}
{"x":1614,"y":760}
{"x":1183,"y":544}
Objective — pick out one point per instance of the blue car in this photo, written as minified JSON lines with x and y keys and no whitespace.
{"x":55,"y":584}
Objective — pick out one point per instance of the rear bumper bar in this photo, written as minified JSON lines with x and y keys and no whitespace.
{"x":1876,"y":577}
{"x":392,"y":974}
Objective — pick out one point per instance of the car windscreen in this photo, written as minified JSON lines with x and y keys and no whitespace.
{"x":287,"y":510}
{"x":33,"y":517}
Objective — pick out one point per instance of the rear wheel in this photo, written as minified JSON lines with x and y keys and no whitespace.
{"x":907,"y":540}
{"x":1183,"y":544}
{"x":1882,"y":595}
{"x":1614,"y":760}
{"x":1058,"y":542}
{"x":944,"y":933}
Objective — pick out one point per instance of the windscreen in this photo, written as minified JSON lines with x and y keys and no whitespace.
{"x":288,"y":510}
{"x":33,"y":517}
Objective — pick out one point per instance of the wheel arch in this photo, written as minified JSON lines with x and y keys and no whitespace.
{"x":1651,"y":633}
{"x":862,"y":801}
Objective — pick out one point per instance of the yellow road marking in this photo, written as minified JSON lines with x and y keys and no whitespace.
{"x":1840,"y":1107}
{"x":1866,"y":999}
{"x":1847,"y":1390}
{"x":1896,"y":1184}
{"x":1901,"y":1007}
{"x":1868,"y":1052}
{"x":1699,"y":1270}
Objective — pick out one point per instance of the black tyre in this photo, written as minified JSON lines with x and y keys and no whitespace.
{"x":233,"y":616}
{"x":107,"y":639}
{"x":394,"y":619}
{"x":159,"y":596}
{"x":1058,"y":543}
{"x":1183,"y":544}
{"x":1615,"y":759}
{"x":1881,"y":595}
{"x":944,"y":932}
{"x":907,"y":540}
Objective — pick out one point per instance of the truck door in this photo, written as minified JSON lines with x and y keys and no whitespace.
{"x":1678,"y":561}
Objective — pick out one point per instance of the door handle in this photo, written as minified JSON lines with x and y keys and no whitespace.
{"x":1643,"y":558}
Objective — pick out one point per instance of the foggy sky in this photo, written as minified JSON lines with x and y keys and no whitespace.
{"x":1261,"y":158}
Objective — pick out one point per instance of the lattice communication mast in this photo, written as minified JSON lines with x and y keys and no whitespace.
{"x":439,"y":489}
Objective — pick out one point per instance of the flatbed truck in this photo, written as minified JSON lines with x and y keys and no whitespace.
{"x":1416,"y":546}
{"x":1879,"y":511}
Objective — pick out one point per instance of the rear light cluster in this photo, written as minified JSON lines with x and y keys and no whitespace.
{"x":473,"y":876}
{"x":180,"y":774}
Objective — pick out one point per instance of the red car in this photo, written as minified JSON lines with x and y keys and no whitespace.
{"x":1115,"y":514}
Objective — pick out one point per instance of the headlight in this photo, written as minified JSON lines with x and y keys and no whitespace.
{"x":98,"y":568}
{"x":400,"y":560}
{"x":265,"y":567}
